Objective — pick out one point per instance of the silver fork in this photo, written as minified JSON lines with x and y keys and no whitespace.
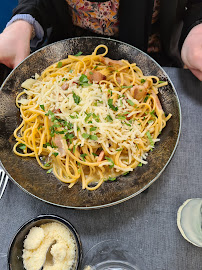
{"x":3,"y":182}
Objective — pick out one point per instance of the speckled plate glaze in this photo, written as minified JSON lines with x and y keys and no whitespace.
{"x":30,"y":177}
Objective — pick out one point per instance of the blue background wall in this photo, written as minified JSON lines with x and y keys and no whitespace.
{"x":6,"y":12}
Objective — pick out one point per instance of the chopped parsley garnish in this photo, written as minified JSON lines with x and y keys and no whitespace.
{"x":90,"y":72}
{"x":85,"y":135}
{"x":64,"y":79}
{"x":130,"y":102}
{"x":52,"y":133}
{"x":121,"y":103}
{"x":47,"y":164}
{"x":83,"y":156}
{"x":88,"y":116}
{"x":95,"y":67}
{"x":73,"y":117}
{"x":112,"y":178}
{"x":152,"y":112}
{"x":146,"y":98}
{"x":74,"y":148}
{"x":121,"y":117}
{"x":139,"y":165}
{"x":42,"y":107}
{"x":120,"y":149}
{"x":60,"y":132}
{"x":69,"y":125}
{"x":22,"y":146}
{"x":109,"y":118}
{"x":125,"y":173}
{"x":71,"y":70}
{"x":143,"y":80}
{"x":69,"y":136}
{"x":50,"y":170}
{"x":46,"y":144}
{"x":55,"y":154}
{"x":150,"y":138}
{"x":110,"y":92}
{"x":96,"y":117}
{"x":111,"y":161}
{"x":54,"y":126}
{"x":83,"y":80}
{"x":125,"y":86}
{"x":63,"y":122}
{"x":76,"y":98}
{"x":161,"y":81}
{"x":93,"y":137}
{"x":150,"y":121}
{"x":127,"y":124}
{"x":51,"y":114}
{"x":78,"y":54}
{"x":93,"y":128}
{"x":59,"y":65}
{"x":95,"y":155}
{"x":39,"y":127}
{"x":110,"y":103}
{"x":88,"y":136}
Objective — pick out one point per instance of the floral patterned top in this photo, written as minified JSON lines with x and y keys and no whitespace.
{"x":102,"y":18}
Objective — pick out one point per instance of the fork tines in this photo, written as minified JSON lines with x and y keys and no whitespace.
{"x":3,"y":182}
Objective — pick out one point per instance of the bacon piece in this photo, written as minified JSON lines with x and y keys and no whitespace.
{"x":59,"y":142}
{"x":139,"y":91}
{"x":56,"y":111}
{"x":158,"y":103}
{"x":65,"y":86}
{"x":129,"y":117}
{"x":101,"y":156}
{"x":95,"y":76}
{"x":109,"y":62}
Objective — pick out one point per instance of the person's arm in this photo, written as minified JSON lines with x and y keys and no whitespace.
{"x":191,"y":38}
{"x":15,"y":43}
{"x":47,"y":13}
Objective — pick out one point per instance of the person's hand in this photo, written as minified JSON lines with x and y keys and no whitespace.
{"x":15,"y":43}
{"x":192,"y":51}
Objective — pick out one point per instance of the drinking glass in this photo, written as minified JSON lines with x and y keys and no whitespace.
{"x":112,"y":255}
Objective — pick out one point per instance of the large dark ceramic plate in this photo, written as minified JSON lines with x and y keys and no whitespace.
{"x":26,"y":172}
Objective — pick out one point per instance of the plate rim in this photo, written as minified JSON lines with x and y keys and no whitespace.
{"x":154,"y":179}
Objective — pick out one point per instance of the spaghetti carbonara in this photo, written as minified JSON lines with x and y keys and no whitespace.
{"x":88,"y":118}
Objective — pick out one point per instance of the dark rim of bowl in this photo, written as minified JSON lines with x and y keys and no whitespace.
{"x":54,"y":217}
{"x":154,"y":179}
